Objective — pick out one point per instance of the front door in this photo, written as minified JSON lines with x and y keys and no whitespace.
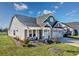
{"x":40,"y":34}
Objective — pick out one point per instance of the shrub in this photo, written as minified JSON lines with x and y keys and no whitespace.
{"x":17,"y":38}
{"x":56,"y":40}
{"x":47,"y":41}
{"x":65,"y":35}
{"x":50,"y":41}
{"x":25,"y":43}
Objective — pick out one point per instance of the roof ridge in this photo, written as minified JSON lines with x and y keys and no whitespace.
{"x":23,"y":15}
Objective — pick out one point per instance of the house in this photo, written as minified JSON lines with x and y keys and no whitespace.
{"x":69,"y":30}
{"x":42,"y":27}
{"x":75,"y":26}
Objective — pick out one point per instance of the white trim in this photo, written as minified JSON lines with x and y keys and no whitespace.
{"x":47,"y":17}
{"x":46,"y":28}
{"x":42,"y":32}
{"x":34,"y":28}
{"x":47,"y":23}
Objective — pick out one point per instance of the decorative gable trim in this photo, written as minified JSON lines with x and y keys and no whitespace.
{"x":48,"y":24}
{"x":40,"y":20}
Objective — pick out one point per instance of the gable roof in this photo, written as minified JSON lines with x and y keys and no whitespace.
{"x":27,"y":21}
{"x":41,"y":19}
{"x":67,"y":25}
{"x":31,"y":21}
{"x":58,"y":25}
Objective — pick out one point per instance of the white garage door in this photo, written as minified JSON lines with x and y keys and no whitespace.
{"x":57,"y":33}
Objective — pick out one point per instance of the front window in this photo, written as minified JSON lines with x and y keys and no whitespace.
{"x":14,"y":32}
{"x":51,"y":19}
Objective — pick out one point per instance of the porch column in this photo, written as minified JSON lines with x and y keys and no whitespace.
{"x":36,"y":33}
{"x":32,"y":33}
{"x":42,"y":33}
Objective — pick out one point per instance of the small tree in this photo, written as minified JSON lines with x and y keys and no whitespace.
{"x":0,"y":30}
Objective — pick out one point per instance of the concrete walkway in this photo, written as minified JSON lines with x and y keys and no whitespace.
{"x":70,"y":41}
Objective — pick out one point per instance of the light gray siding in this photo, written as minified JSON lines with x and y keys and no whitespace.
{"x":18,"y":28}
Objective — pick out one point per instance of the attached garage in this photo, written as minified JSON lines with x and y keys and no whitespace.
{"x":57,"y":33}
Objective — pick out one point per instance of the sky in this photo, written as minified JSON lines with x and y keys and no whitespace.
{"x":62,"y":11}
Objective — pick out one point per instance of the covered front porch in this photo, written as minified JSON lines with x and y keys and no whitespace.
{"x":37,"y":33}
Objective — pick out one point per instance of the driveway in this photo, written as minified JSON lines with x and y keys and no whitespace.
{"x":70,"y":41}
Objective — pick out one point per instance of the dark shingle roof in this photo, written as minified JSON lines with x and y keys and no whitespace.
{"x":31,"y":21}
{"x":26,"y":20}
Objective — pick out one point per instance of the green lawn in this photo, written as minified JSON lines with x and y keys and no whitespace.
{"x":8,"y":48}
{"x":75,"y":37}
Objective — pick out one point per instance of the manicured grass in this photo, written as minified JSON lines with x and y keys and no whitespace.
{"x":75,"y":37}
{"x":8,"y":48}
{"x":6,"y":41}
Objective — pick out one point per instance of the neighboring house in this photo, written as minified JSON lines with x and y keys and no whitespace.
{"x":42,"y":27}
{"x":69,"y":30}
{"x":75,"y":26}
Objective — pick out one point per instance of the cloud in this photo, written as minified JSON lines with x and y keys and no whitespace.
{"x":46,"y":11}
{"x":39,"y":12}
{"x":54,"y":11}
{"x":56,"y":7}
{"x":71,"y":13}
{"x":20,"y":6}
